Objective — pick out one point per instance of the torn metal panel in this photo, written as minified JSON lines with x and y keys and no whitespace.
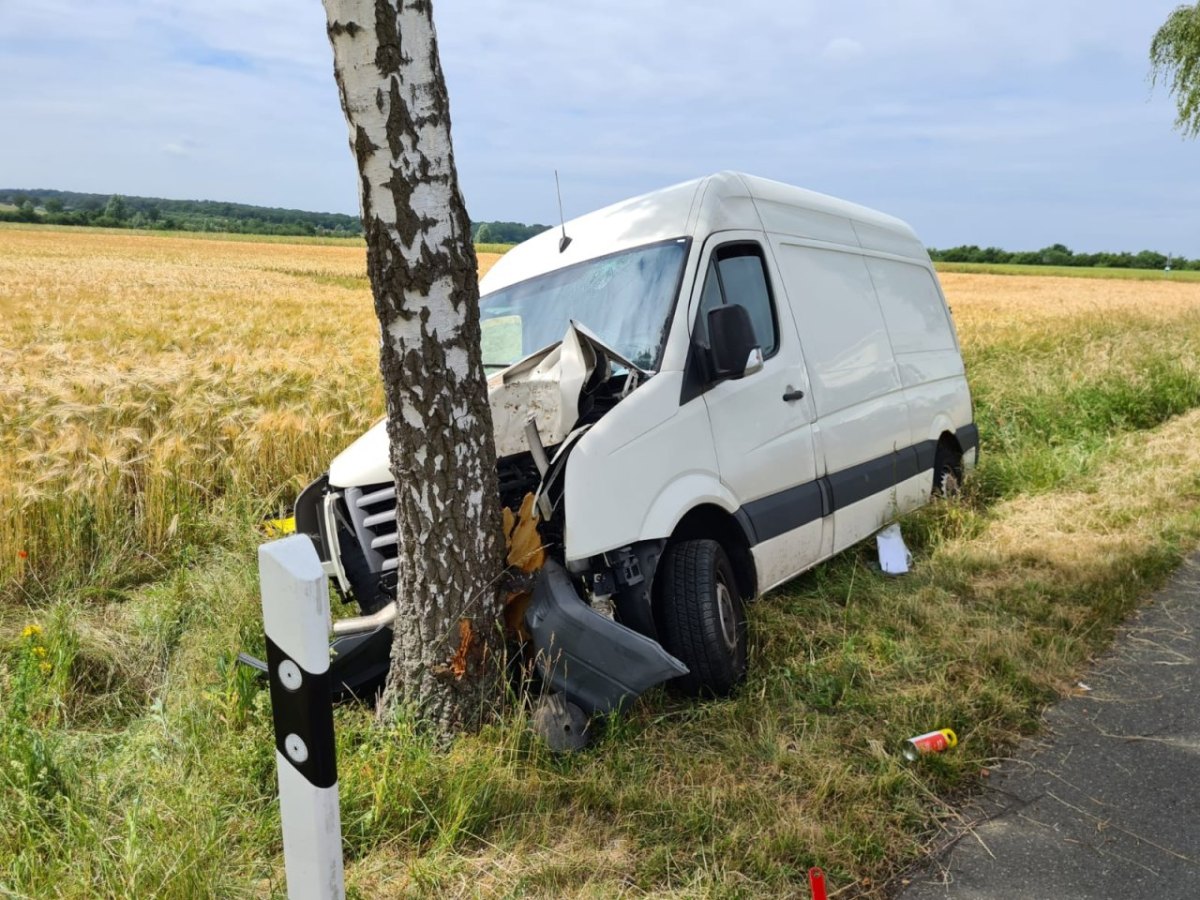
{"x":536,"y":448}
{"x":544,"y":390}
{"x":550,"y":491}
{"x":586,"y":334}
{"x":547,"y":388}
{"x":598,"y":663}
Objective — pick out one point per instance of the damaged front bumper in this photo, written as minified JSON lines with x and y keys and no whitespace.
{"x":598,"y":663}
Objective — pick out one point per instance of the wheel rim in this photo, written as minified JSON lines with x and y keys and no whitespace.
{"x":726,"y":614}
{"x":950,"y":485}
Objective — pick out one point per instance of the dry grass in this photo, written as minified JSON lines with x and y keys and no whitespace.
{"x":159,"y":393}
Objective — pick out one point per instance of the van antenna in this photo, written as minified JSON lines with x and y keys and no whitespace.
{"x":564,"y":242}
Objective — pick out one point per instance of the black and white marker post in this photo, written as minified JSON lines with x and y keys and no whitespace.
{"x":295,"y":601}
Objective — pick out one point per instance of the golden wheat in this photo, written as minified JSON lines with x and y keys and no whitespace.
{"x":142,"y":377}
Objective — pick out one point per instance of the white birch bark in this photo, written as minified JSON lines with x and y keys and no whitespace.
{"x":423,"y":275}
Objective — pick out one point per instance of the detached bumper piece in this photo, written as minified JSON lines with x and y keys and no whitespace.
{"x":598,"y":663}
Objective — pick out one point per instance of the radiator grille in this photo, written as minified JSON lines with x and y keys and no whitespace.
{"x":375,"y":511}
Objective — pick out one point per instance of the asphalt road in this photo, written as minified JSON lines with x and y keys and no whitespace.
{"x":1107,"y":803}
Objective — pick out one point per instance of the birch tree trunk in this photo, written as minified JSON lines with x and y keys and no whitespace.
{"x":423,"y":273}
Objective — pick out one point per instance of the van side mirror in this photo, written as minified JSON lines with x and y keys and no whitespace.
{"x":734,"y":351}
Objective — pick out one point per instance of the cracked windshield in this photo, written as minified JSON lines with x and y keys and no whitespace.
{"x":623,"y":299}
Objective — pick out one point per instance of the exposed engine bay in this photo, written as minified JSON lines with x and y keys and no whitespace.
{"x":598,"y":652}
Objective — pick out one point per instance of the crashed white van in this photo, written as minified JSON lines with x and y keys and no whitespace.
{"x":709,"y":389}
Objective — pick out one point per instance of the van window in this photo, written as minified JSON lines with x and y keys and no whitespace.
{"x":737,"y":274}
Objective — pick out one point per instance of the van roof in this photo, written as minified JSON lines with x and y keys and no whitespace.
{"x":721,"y":202}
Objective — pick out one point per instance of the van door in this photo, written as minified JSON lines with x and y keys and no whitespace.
{"x":762,"y":423}
{"x":863,"y":429}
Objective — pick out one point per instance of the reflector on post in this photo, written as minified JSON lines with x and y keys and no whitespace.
{"x":295,"y":600}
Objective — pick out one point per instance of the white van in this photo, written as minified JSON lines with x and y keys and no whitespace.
{"x":709,"y":389}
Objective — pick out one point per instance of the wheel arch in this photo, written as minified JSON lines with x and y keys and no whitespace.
{"x":949,"y":440}
{"x":942,"y":429}
{"x":711,"y":521}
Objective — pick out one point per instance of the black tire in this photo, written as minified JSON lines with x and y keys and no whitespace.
{"x":947,"y":471}
{"x":701,"y":618}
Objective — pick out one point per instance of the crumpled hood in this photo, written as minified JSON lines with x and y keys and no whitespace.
{"x":545,"y":385}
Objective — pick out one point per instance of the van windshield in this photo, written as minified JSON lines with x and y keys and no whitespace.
{"x":624,"y":299}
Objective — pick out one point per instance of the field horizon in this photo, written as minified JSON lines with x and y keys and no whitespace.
{"x":1184,"y":275}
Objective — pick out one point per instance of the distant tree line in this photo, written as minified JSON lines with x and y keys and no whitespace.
{"x":116,"y":211}
{"x":504,"y":232}
{"x":1060,"y":255}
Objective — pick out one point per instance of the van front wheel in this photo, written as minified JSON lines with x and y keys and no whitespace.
{"x":702,"y":620}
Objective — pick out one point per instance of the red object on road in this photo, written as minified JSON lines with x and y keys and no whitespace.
{"x":816,"y":883}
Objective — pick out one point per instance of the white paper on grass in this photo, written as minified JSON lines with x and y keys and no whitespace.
{"x":894,"y":557}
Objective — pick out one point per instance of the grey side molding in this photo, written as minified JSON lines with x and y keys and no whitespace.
{"x":596,"y":662}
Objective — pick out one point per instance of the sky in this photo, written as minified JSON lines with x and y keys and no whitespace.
{"x":1016,"y":124}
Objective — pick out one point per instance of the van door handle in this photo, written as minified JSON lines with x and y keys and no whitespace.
{"x":791,"y":395}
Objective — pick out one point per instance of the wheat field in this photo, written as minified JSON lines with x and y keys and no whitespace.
{"x":143,"y":378}
{"x":160,"y":394}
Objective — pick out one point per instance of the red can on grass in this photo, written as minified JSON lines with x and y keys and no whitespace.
{"x":930,"y":742}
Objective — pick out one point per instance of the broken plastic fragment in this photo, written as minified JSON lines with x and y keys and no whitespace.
{"x":598,"y":663}
{"x":894,"y":558}
{"x":560,"y":723}
{"x":525,"y":550}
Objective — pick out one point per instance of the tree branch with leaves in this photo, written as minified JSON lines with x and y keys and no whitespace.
{"x":1175,"y":61}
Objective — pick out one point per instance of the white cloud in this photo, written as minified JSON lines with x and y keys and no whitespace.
{"x":842,"y":50}
{"x":178,"y":148}
{"x":970,"y":119}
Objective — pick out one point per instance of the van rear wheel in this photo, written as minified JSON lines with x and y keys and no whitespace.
{"x":947,"y":471}
{"x":702,"y":620}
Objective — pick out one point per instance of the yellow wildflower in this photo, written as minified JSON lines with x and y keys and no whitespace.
{"x":31,"y":631}
{"x":45,"y":668}
{"x":39,"y":651}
